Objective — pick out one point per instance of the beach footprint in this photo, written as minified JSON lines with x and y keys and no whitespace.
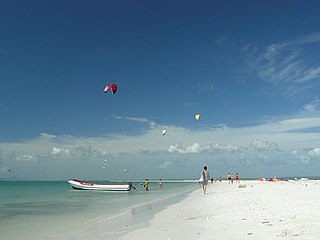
{"x":267,"y":223}
{"x":284,"y":233}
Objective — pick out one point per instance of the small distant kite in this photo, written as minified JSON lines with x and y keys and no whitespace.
{"x":111,"y":86}
{"x":197,"y":116}
{"x":125,"y":170}
{"x":164,"y":131}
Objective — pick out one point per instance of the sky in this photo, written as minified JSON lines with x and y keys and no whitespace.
{"x":250,"y":68}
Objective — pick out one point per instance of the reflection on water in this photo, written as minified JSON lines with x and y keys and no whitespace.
{"x":143,"y":210}
{"x":11,"y":210}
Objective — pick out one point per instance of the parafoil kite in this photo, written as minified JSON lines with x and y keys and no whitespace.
{"x":164,"y":131}
{"x":111,"y":86}
{"x":197,"y":116}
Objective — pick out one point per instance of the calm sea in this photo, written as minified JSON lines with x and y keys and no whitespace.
{"x":53,"y":210}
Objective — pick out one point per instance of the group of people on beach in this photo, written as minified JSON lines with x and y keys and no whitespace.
{"x":205,"y":177}
{"x":232,"y":178}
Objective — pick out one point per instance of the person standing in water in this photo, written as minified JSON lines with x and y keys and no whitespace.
{"x":205,"y":176}
{"x":160,"y":183}
{"x":146,"y":185}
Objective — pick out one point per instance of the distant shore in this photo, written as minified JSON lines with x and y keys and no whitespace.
{"x":255,"y":210}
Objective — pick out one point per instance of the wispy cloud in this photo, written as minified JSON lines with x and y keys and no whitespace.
{"x":222,"y":39}
{"x":285,"y":65}
{"x":306,"y":39}
{"x":312,"y":106}
{"x":151,"y":123}
{"x":206,"y":86}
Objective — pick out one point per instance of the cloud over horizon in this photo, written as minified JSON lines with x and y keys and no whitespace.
{"x":260,"y":145}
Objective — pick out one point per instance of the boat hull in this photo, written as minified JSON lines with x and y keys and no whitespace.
{"x":118,"y":187}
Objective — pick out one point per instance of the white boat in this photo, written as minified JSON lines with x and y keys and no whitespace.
{"x":114,"y":187}
{"x":304,"y":179}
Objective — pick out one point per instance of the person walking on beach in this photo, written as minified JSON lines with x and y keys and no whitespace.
{"x":204,"y":176}
{"x":160,"y":183}
{"x":229,"y":177}
{"x":146,"y":185}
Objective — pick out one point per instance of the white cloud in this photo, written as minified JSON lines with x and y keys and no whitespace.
{"x":209,"y":148}
{"x":59,"y":151}
{"x":260,"y":145}
{"x":194,"y":148}
{"x":253,"y":146}
{"x":27,"y":158}
{"x":228,"y":148}
{"x":314,"y":152}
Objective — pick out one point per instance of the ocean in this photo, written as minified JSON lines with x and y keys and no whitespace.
{"x":39,"y":210}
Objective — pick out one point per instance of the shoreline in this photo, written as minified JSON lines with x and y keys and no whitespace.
{"x":140,"y":216}
{"x":261,"y":210}
{"x":153,"y":180}
{"x":132,"y":218}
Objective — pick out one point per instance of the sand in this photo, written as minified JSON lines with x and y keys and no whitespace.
{"x":256,"y":210}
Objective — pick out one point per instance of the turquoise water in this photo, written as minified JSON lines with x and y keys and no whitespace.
{"x":53,"y":210}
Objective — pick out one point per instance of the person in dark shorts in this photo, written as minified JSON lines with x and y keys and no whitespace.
{"x":237,"y":178}
{"x":229,"y":177}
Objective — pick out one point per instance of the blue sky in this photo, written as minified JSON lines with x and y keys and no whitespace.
{"x":250,"y":68}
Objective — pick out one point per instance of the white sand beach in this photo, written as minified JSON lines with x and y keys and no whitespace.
{"x":261,"y":210}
